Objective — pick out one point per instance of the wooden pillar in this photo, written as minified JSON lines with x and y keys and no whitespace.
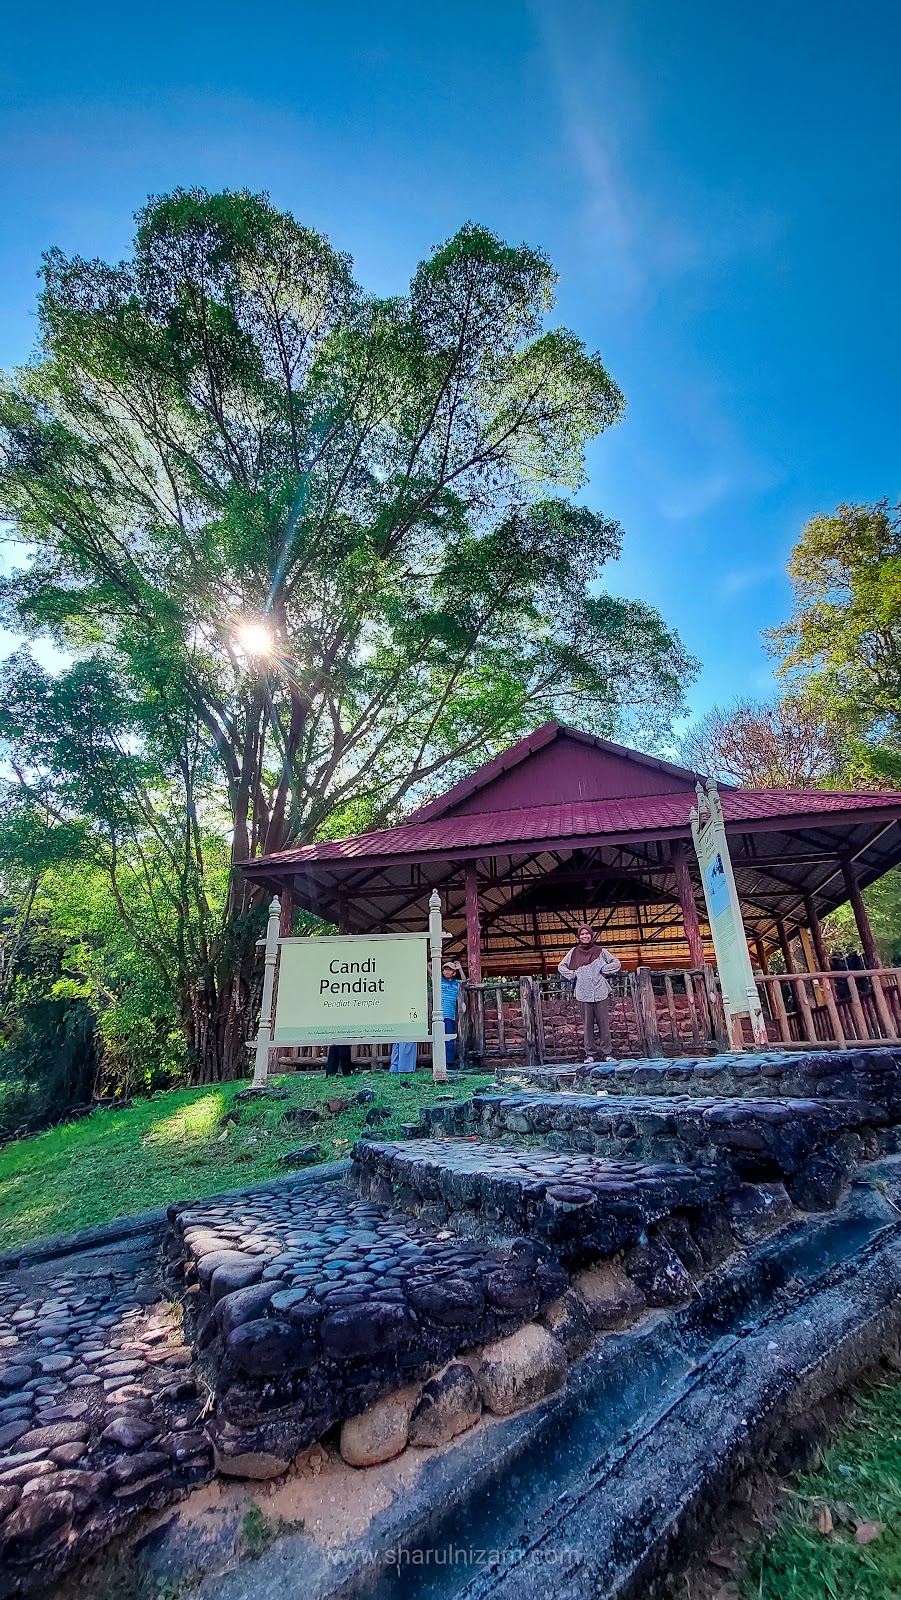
{"x":689,"y":906}
{"x":785,"y":944}
{"x":286,"y":914}
{"x":473,"y":926}
{"x":530,"y":1003}
{"x":868,"y":943}
{"x":816,"y":933}
{"x":760,"y":951}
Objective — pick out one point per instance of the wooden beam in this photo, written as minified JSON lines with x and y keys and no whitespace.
{"x":473,"y":929}
{"x":286,"y":914}
{"x":687,"y":901}
{"x":870,"y":952}
{"x":816,"y":932}
{"x":785,"y":944}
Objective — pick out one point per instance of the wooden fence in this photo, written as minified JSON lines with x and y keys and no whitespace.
{"x":534,"y":1020}
{"x":810,"y":1009}
{"x":652,"y":1013}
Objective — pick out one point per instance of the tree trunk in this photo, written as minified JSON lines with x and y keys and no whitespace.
{"x":222,"y":1014}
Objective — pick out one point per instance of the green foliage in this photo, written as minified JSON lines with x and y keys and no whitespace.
{"x":259,"y":1532}
{"x":50,"y":1067}
{"x":844,"y":636}
{"x":174,"y":1146}
{"x":859,"y":1483}
{"x":883,"y":903}
{"x":227,"y":427}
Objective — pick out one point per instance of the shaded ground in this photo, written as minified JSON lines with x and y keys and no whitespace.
{"x":833,"y":1533}
{"x":176,"y":1147}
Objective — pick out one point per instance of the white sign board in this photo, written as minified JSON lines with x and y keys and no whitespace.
{"x":352,"y":990}
{"x":727,"y":930}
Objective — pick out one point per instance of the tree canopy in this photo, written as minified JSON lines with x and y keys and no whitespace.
{"x":309,"y":550}
{"x":843,"y":639}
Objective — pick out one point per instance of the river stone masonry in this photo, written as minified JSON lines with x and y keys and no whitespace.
{"x":99,"y":1419}
{"x":811,"y":1145}
{"x":308,"y":1307}
{"x":582,"y":1206}
{"x":870,"y":1075}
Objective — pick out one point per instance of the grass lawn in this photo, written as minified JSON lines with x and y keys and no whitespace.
{"x":174,"y":1147}
{"x":840,"y":1538}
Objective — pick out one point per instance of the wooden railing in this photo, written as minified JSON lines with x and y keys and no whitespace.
{"x":534,"y":1020}
{"x":844,"y":1008}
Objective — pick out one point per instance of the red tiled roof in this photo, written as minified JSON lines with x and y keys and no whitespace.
{"x":654,"y":814}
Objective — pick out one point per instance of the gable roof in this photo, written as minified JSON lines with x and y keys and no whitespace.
{"x":600,"y":756}
{"x":567,"y":825}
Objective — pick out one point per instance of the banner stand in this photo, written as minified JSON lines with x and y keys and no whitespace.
{"x":733,"y":960}
{"x":274,"y":1027}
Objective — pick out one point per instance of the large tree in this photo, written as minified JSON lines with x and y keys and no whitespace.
{"x":842,"y":643}
{"x":310,"y":551}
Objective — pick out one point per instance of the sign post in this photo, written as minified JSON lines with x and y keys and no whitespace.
{"x":351,"y":989}
{"x":733,"y":960}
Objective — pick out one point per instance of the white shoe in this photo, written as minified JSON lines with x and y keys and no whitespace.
{"x":610,"y":1058}
{"x":588,"y":1058}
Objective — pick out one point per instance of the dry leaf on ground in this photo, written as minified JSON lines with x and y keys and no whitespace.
{"x":824,"y":1520}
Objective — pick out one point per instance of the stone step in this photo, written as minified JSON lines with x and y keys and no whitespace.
{"x":309,"y":1304}
{"x":871,"y":1075}
{"x":811,"y":1145}
{"x":584,"y":1206}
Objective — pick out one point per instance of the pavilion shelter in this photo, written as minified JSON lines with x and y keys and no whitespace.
{"x":565,"y":827}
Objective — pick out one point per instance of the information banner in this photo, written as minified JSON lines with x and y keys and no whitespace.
{"x":353,"y":989}
{"x":727,"y":930}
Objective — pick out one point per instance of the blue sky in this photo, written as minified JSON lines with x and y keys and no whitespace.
{"x":717,"y":186}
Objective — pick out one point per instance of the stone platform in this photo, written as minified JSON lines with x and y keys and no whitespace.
{"x":585,"y":1207}
{"x":309,"y":1307}
{"x":461,"y":1269}
{"x":99,"y":1410}
{"x":812,"y":1145}
{"x":871,"y":1075}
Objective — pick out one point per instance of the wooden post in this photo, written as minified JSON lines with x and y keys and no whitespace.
{"x":464,"y":1026}
{"x":473,"y":926}
{"x":645,"y":1011}
{"x":529,"y":1000}
{"x":717,"y":1010}
{"x":868,"y":943}
{"x":760,"y":952}
{"x":286,"y":914}
{"x":816,"y":932}
{"x":786,"y":946}
{"x":689,"y":906}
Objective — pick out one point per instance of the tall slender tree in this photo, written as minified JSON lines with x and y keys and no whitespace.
{"x":310,"y":551}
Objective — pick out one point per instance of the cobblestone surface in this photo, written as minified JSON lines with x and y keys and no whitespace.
{"x":308,"y":1307}
{"x":873,"y":1075}
{"x":302,"y":1307}
{"x":584,"y":1206}
{"x":812,"y":1144}
{"x":99,"y":1417}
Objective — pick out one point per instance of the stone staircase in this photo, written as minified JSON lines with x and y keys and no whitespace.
{"x":458,"y":1270}
{"x":566,"y":1213}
